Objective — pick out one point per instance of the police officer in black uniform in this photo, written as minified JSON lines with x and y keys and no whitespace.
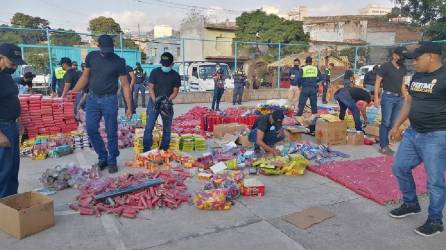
{"x":10,"y":58}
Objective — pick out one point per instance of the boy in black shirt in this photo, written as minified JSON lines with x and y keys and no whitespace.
{"x":348,"y":98}
{"x":267,"y":131}
{"x":71,"y":75}
{"x":425,"y":141}
{"x":164,"y":82}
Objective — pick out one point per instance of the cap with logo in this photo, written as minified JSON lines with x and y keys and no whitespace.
{"x":166,"y":59}
{"x":424,"y":48}
{"x":12,"y":52}
{"x":278,"y":117}
{"x":105,"y":43}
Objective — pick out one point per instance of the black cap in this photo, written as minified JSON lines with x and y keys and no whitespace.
{"x":74,"y":63}
{"x":166,"y":59}
{"x":308,"y":60}
{"x":105,"y":42}
{"x":12,"y":52}
{"x":28,"y":75}
{"x":425,"y":48}
{"x":65,"y":60}
{"x":401,"y":51}
{"x":278,"y":117}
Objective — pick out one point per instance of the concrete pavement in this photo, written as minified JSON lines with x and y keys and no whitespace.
{"x":252,"y":223}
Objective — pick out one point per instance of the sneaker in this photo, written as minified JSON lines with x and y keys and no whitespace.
{"x":429,"y":229}
{"x":404,"y":211}
{"x":386,"y":151}
{"x":102,"y":165}
{"x":112,"y":169}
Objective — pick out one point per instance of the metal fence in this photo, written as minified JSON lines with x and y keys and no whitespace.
{"x":266,"y":64}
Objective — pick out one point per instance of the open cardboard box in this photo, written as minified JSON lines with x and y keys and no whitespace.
{"x":25,"y":214}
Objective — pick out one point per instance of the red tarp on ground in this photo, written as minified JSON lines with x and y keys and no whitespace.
{"x":370,"y":177}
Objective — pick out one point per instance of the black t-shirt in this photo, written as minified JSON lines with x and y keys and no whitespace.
{"x":359,"y":94}
{"x":263,"y":124}
{"x":140,"y":76}
{"x":164,"y":82}
{"x":392,"y":77}
{"x":348,"y":74}
{"x":71,"y":76}
{"x":104,"y":72}
{"x":428,"y":108}
{"x":9,"y":98}
{"x":370,"y":78}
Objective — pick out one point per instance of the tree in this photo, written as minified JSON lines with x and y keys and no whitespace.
{"x":430,"y":15}
{"x":65,"y":37}
{"x":7,"y":36}
{"x":104,"y":25}
{"x":39,"y":60}
{"x":26,"y":21}
{"x":258,"y":26}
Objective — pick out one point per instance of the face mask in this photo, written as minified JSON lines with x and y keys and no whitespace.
{"x":166,"y":69}
{"x":9,"y":71}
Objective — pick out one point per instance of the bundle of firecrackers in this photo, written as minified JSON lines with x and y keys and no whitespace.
{"x":66,"y":176}
{"x":291,"y":165}
{"x":189,"y":123}
{"x":191,"y":142}
{"x":264,"y":109}
{"x":45,"y":115}
{"x":155,"y":160}
{"x":220,"y":191}
{"x":313,"y":152}
{"x":170,"y":194}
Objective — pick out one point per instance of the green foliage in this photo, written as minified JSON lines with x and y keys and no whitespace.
{"x":429,"y":14}
{"x":104,"y":25}
{"x":258,"y":26}
{"x":39,"y":60}
{"x":66,"y":39}
{"x":10,"y":37}
{"x":26,"y":21}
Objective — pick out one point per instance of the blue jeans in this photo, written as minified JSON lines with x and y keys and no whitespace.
{"x":346,"y":101}
{"x":136,"y":89}
{"x":390,"y":110}
{"x":270,"y":138}
{"x":218,"y":93}
{"x":308,"y":92}
{"x":9,"y":160}
{"x":96,"y":108}
{"x":429,"y":148}
{"x":152,"y":116}
{"x":237,"y":94}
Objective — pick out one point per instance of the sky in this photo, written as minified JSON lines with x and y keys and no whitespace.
{"x":142,"y":15}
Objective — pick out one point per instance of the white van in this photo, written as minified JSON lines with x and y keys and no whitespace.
{"x":198,"y":76}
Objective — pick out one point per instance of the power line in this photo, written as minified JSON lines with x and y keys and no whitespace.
{"x":186,"y":6}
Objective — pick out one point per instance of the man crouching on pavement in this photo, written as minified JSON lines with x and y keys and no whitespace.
{"x":267,"y":131}
{"x":425,"y":140}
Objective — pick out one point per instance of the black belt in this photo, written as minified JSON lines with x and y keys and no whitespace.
{"x":103,"y":95}
{"x":391,"y":93}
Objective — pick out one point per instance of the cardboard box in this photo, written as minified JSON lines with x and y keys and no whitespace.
{"x":293,"y":134}
{"x":331,"y":133}
{"x":355,"y":138}
{"x":231,"y":128}
{"x":244,"y":141}
{"x":372,"y":130}
{"x":26,"y":214}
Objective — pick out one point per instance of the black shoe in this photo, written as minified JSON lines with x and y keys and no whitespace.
{"x":102,"y":165}
{"x":404,"y":211}
{"x":429,"y":229}
{"x":112,"y":169}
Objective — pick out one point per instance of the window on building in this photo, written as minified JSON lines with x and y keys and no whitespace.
{"x":195,"y":72}
{"x":178,"y":52}
{"x":153,"y":51}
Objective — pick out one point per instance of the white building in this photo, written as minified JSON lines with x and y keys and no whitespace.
{"x":375,"y":10}
{"x":298,"y":13}
{"x":160,"y":31}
